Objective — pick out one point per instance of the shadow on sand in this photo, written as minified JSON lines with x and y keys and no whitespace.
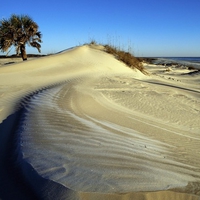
{"x":18,"y":179}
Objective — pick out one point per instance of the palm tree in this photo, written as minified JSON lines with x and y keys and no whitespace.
{"x":19,"y":30}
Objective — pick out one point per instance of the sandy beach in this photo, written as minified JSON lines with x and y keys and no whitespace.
{"x":80,"y":124}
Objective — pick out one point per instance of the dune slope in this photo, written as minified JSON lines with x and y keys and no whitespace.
{"x":103,"y":130}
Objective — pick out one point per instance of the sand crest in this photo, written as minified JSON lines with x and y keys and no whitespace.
{"x":110,"y":132}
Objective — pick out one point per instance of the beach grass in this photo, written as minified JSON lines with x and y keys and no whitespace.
{"x":124,"y":56}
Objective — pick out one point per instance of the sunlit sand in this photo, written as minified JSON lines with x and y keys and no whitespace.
{"x":96,"y":129}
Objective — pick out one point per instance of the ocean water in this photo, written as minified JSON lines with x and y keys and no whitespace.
{"x":185,"y":61}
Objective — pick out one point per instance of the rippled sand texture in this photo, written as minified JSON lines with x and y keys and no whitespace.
{"x":107,"y":129}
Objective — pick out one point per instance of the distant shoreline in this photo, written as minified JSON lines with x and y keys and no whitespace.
{"x":28,"y":55}
{"x":165,"y":61}
{"x":174,"y":61}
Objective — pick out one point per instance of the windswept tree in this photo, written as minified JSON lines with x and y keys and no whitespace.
{"x":18,"y":31}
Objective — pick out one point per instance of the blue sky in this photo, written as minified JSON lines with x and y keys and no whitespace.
{"x":148,"y":27}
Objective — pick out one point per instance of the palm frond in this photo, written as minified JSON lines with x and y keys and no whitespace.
{"x":5,"y":44}
{"x":36,"y":39}
{"x":36,"y":45}
{"x":39,"y":34}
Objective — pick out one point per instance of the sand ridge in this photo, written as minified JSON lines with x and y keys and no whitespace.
{"x":110,"y":129}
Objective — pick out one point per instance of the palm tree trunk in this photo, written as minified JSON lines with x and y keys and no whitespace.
{"x":23,"y":52}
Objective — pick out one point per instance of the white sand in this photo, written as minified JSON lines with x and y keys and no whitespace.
{"x":108,"y":129}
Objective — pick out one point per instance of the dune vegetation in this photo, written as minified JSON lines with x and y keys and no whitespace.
{"x":124,"y":56}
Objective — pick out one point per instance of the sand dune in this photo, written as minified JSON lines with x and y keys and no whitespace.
{"x":99,"y":130}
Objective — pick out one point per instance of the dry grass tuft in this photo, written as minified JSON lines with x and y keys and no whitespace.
{"x":125,"y":57}
{"x":93,"y":42}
